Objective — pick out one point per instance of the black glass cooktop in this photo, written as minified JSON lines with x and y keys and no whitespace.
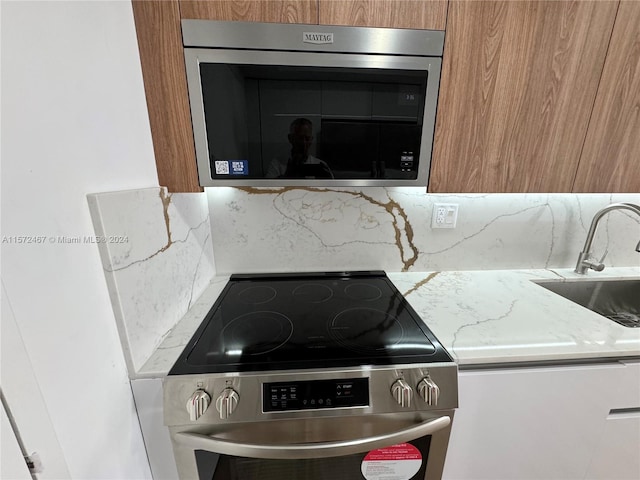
{"x":267,"y":322}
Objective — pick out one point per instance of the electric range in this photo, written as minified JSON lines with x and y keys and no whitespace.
{"x":334,"y":348}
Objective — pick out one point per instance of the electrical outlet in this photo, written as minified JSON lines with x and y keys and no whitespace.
{"x":445,"y":215}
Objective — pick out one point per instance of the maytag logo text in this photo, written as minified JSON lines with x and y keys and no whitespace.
{"x":317,"y":38}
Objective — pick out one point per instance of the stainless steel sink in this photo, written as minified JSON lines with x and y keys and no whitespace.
{"x":618,"y":300}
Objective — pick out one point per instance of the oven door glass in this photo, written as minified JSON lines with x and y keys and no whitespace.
{"x":272,"y":116}
{"x":402,"y":446}
{"x":400,"y":462}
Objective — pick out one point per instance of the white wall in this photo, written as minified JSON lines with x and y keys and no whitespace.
{"x":73,"y":122}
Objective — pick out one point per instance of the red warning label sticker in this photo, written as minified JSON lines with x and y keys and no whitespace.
{"x":398,"y":462}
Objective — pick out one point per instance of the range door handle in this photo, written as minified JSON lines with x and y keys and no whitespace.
{"x":309,"y":450}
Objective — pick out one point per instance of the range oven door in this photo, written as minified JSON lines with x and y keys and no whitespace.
{"x":399,"y":446}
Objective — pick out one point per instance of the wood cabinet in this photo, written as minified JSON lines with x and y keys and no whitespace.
{"x":161,"y":55}
{"x":610,"y":159}
{"x":160,"y":44}
{"x":421,"y":14}
{"x":165,"y":84}
{"x":534,"y":96}
{"x":277,"y":11}
{"x":518,"y":84}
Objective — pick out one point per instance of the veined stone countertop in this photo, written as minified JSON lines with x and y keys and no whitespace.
{"x":481,"y":317}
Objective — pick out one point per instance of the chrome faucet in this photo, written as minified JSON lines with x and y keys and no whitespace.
{"x":585,"y":262}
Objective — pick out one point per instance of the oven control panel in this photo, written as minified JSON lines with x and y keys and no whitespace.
{"x":315,"y":394}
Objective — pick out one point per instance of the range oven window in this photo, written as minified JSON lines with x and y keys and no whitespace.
{"x":212,"y":466}
{"x":278,"y":122}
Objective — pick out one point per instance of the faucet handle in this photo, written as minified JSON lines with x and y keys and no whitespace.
{"x":598,"y":266}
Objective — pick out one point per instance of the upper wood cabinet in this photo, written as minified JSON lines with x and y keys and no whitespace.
{"x":165,"y":84}
{"x":161,"y":55}
{"x":276,"y":11}
{"x":535,"y":96}
{"x":610,"y":159}
{"x":421,"y":14}
{"x":160,"y":43}
{"x":518,"y":85}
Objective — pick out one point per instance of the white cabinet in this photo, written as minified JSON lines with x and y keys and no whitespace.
{"x":617,"y":456}
{"x":147,"y":393}
{"x":546,"y":423}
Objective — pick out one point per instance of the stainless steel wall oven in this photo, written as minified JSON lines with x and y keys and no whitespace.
{"x":311,"y":376}
{"x":276,"y":104}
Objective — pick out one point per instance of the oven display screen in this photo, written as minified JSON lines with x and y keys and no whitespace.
{"x":315,"y":394}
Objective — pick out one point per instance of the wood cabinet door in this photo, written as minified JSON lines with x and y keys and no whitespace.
{"x":165,"y":85}
{"x":421,"y":14}
{"x":518,"y":84}
{"x":277,"y":11}
{"x":610,"y":159}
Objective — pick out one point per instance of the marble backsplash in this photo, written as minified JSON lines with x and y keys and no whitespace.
{"x":166,"y":259}
{"x":157,"y":257}
{"x":324,"y":229}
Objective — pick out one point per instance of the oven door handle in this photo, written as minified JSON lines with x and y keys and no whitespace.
{"x":310,"y":450}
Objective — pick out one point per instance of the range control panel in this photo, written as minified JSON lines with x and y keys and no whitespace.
{"x":315,"y":394}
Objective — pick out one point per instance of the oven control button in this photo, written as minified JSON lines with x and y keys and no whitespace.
{"x":402,"y":392}
{"x":227,"y":402}
{"x":428,"y":391}
{"x":198,"y":404}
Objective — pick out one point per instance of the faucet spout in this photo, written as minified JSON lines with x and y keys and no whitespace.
{"x":585,"y":262}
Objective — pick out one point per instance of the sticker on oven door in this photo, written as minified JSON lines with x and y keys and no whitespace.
{"x":232,"y":167}
{"x":398,"y":462}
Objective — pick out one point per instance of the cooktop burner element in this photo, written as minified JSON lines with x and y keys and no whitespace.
{"x":257,"y":333}
{"x":311,"y":320}
{"x":313,"y":293}
{"x":257,"y":294}
{"x":366,"y":330}
{"x":363,"y":292}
